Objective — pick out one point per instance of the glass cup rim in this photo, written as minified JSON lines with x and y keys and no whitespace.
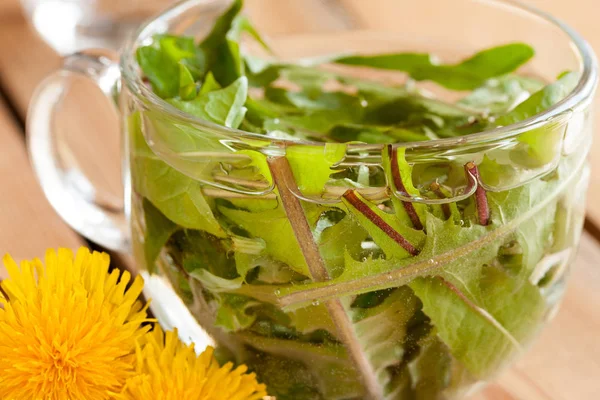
{"x":583,"y":91}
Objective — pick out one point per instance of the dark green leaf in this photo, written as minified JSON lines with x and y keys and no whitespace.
{"x":374,"y":134}
{"x":223,"y":24}
{"x":234,"y":312}
{"x":466,"y":75}
{"x":382,"y":330}
{"x":158,"y":230}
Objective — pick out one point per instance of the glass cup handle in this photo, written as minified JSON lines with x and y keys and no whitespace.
{"x":69,"y":191}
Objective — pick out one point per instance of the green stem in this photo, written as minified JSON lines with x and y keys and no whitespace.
{"x":423,"y":267}
{"x":284,"y":179}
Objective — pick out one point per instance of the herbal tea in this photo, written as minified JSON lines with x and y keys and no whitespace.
{"x":331,"y":243}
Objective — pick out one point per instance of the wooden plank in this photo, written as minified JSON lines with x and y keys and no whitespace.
{"x":26,"y":59}
{"x":8,"y":6}
{"x":87,"y":123}
{"x":28,"y":224}
{"x":273,"y":16}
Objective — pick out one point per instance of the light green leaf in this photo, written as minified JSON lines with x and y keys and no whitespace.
{"x":312,"y":165}
{"x":475,"y":338}
{"x":178,"y":197}
{"x":187,"y":85}
{"x":259,"y":161}
{"x":209,"y":84}
{"x":344,"y":237}
{"x":275,"y":229}
{"x":535,"y":236}
{"x":160,"y":62}
{"x":540,"y":100}
{"x":315,"y":123}
{"x":483,"y":337}
{"x":183,"y":50}
{"x":502,"y":94}
{"x":244,"y":263}
{"x":223,"y":107}
{"x":540,"y":145}
{"x":522,"y":311}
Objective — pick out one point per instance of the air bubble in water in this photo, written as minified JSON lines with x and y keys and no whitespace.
{"x":316,"y":302}
{"x":277,"y":292}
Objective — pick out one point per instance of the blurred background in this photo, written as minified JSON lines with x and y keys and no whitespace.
{"x":71,"y":25}
{"x":563,"y":365}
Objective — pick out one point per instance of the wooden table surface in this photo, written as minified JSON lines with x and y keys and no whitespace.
{"x":564,"y":364}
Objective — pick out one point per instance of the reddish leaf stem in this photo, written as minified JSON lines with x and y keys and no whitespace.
{"x":481,"y":203}
{"x":364,"y":209}
{"x":397,"y":178}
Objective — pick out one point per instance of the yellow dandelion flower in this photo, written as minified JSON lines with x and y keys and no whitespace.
{"x":68,"y":330}
{"x":167,"y":369}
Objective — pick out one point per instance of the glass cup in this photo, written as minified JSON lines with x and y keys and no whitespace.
{"x":73,"y":25}
{"x":291,"y":279}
